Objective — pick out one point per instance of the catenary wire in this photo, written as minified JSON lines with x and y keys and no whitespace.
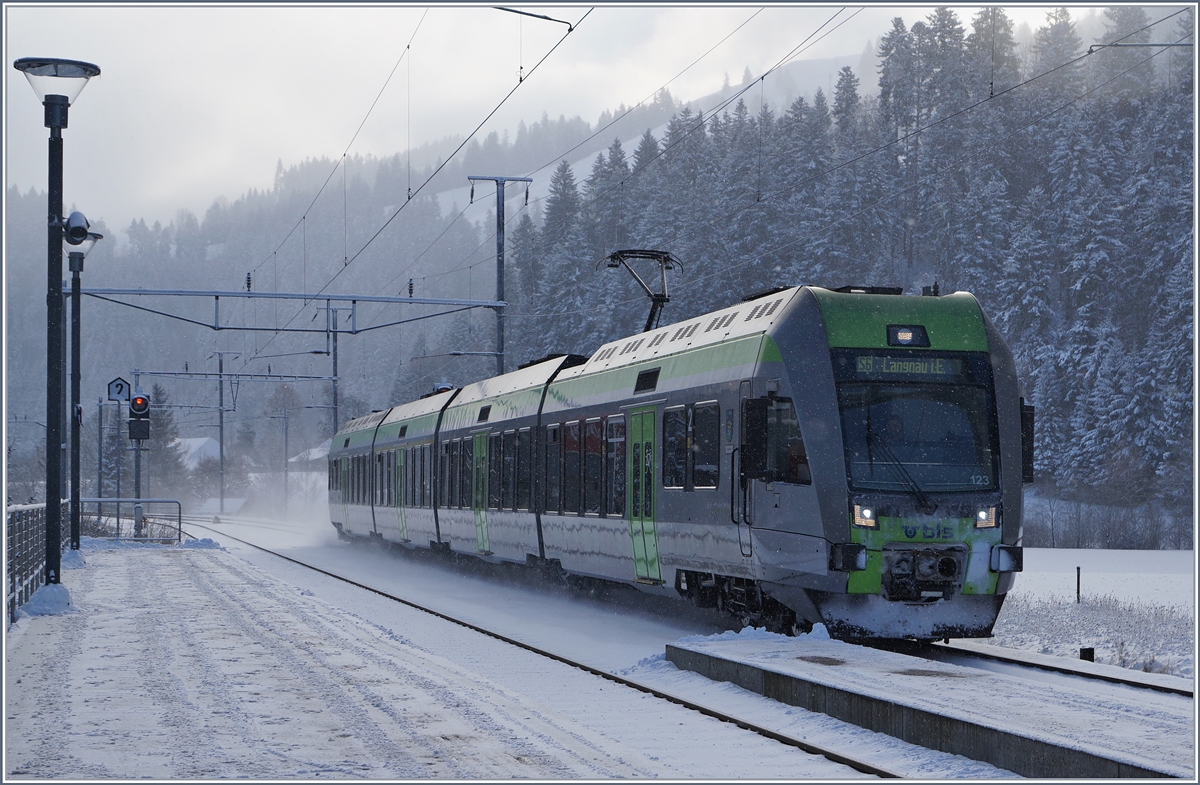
{"x":388,"y":222}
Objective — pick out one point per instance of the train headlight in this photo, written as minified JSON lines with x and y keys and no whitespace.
{"x":865,"y":516}
{"x":985,"y":518}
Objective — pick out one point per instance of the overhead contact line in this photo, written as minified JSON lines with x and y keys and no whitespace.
{"x":441,"y":166}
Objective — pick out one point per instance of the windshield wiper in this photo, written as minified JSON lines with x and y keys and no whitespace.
{"x":925,"y":504}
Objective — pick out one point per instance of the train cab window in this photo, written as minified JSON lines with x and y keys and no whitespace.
{"x":508,"y":472}
{"x":675,"y":452}
{"x":494,"y":469}
{"x":524,"y":466}
{"x":571,"y":449}
{"x":706,"y":445}
{"x":786,"y":456}
{"x":553,"y":468}
{"x":614,"y":455}
{"x":466,"y":473}
{"x":593,"y":465}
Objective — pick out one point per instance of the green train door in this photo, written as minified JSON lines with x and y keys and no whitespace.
{"x":642,"y":496}
{"x":398,"y":482}
{"x":479,"y":493}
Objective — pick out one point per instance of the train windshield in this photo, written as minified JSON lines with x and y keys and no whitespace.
{"x":917,"y":422}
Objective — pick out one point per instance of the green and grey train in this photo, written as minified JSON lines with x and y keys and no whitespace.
{"x":851,"y":457}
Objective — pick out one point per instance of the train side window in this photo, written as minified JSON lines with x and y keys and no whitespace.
{"x":593,"y":465}
{"x":675,"y":453}
{"x":615,"y":456}
{"x":380,"y":476}
{"x":524,"y":465}
{"x":494,"y":469}
{"x":509,"y":472}
{"x":706,"y":444}
{"x":571,"y":449}
{"x":424,"y":478}
{"x":553,"y":469}
{"x":451,"y":497}
{"x":388,"y":477}
{"x":400,"y":478}
{"x":429,"y":468}
{"x":635,"y":510}
{"x":443,"y":483}
{"x":466,"y":471}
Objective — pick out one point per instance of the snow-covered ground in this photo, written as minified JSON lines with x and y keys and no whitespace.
{"x":1137,"y":609}
{"x":204,"y":662}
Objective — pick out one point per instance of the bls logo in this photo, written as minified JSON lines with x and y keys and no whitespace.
{"x":930,"y":532}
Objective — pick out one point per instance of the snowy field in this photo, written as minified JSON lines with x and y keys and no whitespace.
{"x":1137,"y":608}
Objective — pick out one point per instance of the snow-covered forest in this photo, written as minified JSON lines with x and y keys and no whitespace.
{"x":1055,"y":186}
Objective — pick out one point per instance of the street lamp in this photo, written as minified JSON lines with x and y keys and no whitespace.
{"x":75,"y":258}
{"x":57,"y":84}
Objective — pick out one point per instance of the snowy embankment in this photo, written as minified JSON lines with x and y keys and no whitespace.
{"x":1137,"y":609}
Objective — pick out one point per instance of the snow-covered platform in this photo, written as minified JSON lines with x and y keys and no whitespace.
{"x":196,"y":663}
{"x":1034,"y":725}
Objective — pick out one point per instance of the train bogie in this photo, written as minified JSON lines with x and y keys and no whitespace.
{"x":853,"y":458}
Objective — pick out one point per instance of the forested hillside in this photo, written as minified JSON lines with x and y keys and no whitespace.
{"x":1057,"y":188}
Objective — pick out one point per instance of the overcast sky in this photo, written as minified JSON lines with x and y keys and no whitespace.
{"x":194,"y":103}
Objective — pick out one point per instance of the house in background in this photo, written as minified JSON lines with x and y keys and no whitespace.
{"x":193,"y":451}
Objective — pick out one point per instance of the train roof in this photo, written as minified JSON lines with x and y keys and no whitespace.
{"x":429,"y":405}
{"x":512,"y":395}
{"x":745,"y":318}
{"x":521,"y":379}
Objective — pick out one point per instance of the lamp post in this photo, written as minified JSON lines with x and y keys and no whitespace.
{"x":75,"y":259}
{"x":57,"y":83}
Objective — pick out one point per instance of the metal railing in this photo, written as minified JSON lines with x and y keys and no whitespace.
{"x":25,"y":541}
{"x":25,"y":538}
{"x":150,"y":528}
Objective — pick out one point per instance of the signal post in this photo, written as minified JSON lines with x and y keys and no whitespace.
{"x":139,"y":431}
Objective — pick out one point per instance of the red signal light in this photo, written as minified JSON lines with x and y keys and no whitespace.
{"x":139,"y":406}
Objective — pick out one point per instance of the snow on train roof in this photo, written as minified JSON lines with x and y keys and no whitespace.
{"x":521,"y":379}
{"x":416,"y":408}
{"x":745,"y":318}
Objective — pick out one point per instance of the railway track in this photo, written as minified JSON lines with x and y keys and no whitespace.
{"x":935,"y":651}
{"x":806,"y":746}
{"x":1016,"y":663}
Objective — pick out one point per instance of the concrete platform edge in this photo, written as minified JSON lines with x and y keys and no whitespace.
{"x":1025,"y":756}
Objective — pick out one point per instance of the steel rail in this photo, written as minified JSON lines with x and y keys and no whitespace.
{"x":806,"y":746}
{"x":928,"y":650}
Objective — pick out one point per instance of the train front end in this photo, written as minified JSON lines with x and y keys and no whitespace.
{"x":919,"y":485}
